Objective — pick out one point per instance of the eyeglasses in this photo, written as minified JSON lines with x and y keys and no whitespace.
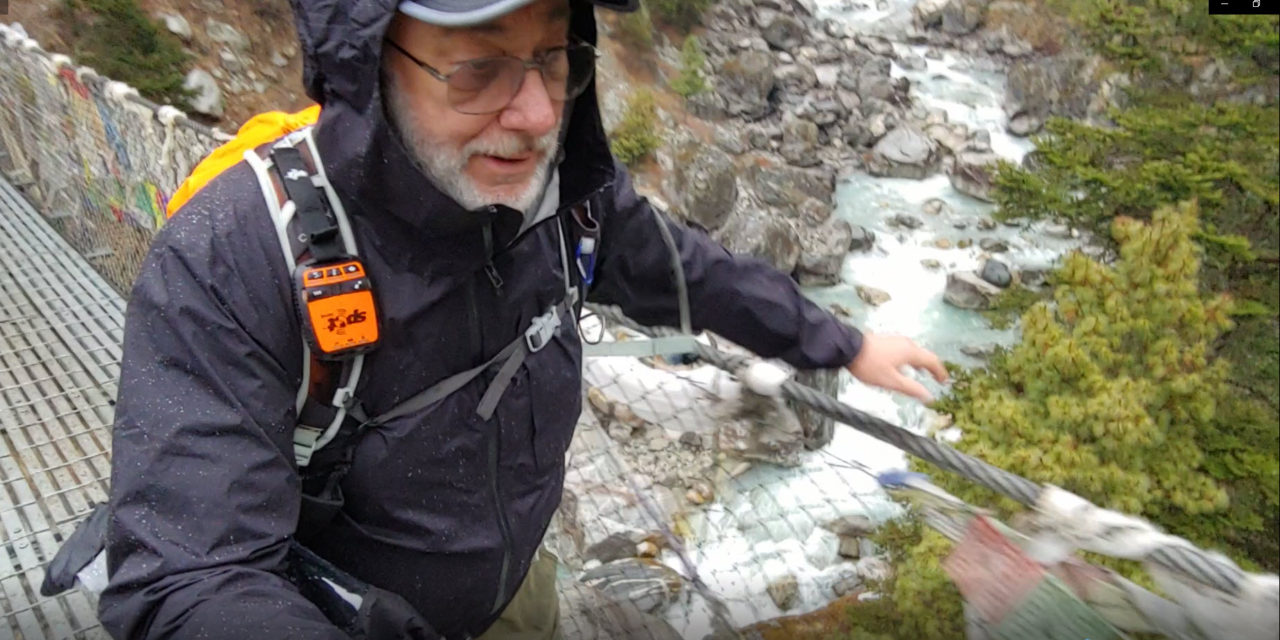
{"x":482,"y":86}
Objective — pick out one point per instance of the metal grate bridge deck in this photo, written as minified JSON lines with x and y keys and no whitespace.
{"x":60,"y":330}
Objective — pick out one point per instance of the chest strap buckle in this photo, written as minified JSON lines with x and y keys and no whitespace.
{"x":542,"y":329}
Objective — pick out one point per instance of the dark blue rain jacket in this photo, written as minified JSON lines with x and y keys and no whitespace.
{"x":205,"y":494}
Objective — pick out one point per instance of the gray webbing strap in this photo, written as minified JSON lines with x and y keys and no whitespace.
{"x":439,"y":390}
{"x":541,"y":332}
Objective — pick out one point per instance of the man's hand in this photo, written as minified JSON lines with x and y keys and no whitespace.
{"x":879,"y":363}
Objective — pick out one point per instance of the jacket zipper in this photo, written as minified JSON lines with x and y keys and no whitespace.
{"x":503,"y":525}
{"x":494,"y":278}
{"x":477,"y":345}
{"x":489,"y":268}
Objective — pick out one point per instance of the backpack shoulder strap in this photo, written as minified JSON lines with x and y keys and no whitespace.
{"x":327,"y":391}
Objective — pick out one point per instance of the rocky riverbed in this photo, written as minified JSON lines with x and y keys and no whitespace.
{"x":853,"y":145}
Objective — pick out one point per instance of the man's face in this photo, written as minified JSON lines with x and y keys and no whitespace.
{"x":498,"y":158}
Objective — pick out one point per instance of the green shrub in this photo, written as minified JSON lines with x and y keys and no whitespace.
{"x":918,"y":601}
{"x":1110,"y":394}
{"x":1166,"y":147}
{"x":690,"y":82}
{"x":681,"y":14}
{"x":636,"y":136}
{"x":635,"y":29}
{"x":119,"y":41}
{"x":1150,"y":383}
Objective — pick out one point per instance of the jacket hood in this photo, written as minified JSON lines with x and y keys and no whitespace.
{"x":363,"y":155}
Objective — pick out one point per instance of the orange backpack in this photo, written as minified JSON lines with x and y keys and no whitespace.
{"x":259,"y":130}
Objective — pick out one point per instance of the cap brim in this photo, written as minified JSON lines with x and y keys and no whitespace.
{"x":468,"y":15}
{"x":463,"y":17}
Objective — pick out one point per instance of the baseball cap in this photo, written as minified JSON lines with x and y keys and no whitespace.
{"x":466,"y":13}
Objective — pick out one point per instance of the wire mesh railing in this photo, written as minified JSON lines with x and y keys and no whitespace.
{"x":95,"y":158}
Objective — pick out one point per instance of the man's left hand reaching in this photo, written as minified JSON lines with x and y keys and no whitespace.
{"x":879,"y":363}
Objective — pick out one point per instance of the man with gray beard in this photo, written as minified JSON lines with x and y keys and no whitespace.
{"x":463,"y":140}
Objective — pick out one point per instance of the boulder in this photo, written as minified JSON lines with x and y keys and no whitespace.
{"x":927,"y":14}
{"x":827,"y":75}
{"x":730,"y":140}
{"x":993,"y":245}
{"x":762,"y":428}
{"x":967,"y":290}
{"x":822,"y":252}
{"x":857,"y":133}
{"x":785,"y":591}
{"x":851,"y":526}
{"x":1058,"y":230}
{"x":824,"y":108}
{"x":1023,"y":124}
{"x":996,"y":273}
{"x":800,"y":142}
{"x":980,"y":351}
{"x":961,"y":17}
{"x":936,"y":206}
{"x":795,"y":78}
{"x":647,"y":584}
{"x":784,"y":186}
{"x":912,"y":62}
{"x":874,"y":81}
{"x":617,"y":546}
{"x":903,"y":153}
{"x":980,"y":141}
{"x":951,"y":137}
{"x":1016,"y":47}
{"x":763,"y":236}
{"x":224,"y":33}
{"x":230,"y":61}
{"x":758,"y":138}
{"x":813,"y":213}
{"x":1063,"y":85}
{"x":708,"y":105}
{"x":1033,"y":278}
{"x":745,"y":81}
{"x":784,"y":32}
{"x":862,"y":240}
{"x":206,"y":96}
{"x":707,"y":184}
{"x":850,"y":547}
{"x":872,"y":296}
{"x":905,"y":221}
{"x":974,"y":174}
{"x":177,"y":25}
{"x":875,"y":44}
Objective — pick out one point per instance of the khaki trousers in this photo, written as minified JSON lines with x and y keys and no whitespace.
{"x":534,"y":612}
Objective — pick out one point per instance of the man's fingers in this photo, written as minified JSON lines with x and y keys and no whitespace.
{"x":929,"y":361}
{"x":903,"y":384}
